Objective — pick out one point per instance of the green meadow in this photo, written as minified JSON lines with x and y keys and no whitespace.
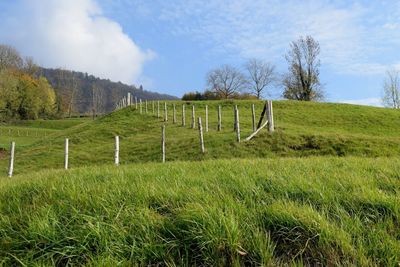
{"x":323,"y":189}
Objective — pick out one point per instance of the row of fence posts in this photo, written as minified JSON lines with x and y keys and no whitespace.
{"x":20,"y":133}
{"x":268,"y":109}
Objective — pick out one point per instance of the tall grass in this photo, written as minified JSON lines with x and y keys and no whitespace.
{"x":311,"y":211}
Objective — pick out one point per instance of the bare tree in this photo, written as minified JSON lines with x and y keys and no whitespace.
{"x":30,"y":66}
{"x":391,"y":89}
{"x":66,"y":80}
{"x":97,"y":101}
{"x":226,"y":81}
{"x":260,"y":76}
{"x":10,"y":58}
{"x":302,"y":80}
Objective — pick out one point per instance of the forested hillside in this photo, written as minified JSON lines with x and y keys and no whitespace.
{"x":81,"y":93}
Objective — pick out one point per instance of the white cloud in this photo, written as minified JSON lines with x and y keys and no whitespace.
{"x":73,"y":34}
{"x":377,"y":102}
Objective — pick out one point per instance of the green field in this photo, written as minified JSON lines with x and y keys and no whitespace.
{"x":25,"y":133}
{"x":324,"y":188}
{"x":317,"y":210}
{"x":302,"y":129}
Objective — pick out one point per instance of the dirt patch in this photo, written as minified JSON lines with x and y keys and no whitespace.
{"x":3,"y":153}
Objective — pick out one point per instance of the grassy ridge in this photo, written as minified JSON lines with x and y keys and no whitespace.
{"x":303,"y":129}
{"x":317,"y":210}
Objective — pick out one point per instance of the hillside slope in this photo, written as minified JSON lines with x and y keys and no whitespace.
{"x":318,"y":211}
{"x":302,"y":129}
{"x":107,"y":93}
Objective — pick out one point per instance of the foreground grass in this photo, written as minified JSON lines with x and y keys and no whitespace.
{"x":329,"y":211}
{"x":302,"y":129}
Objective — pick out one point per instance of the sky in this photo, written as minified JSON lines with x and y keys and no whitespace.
{"x":169,"y":46}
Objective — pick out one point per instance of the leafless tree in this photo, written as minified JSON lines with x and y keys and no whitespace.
{"x":10,"y":58}
{"x":68,"y":83}
{"x":226,"y":81}
{"x":97,"y":101}
{"x":30,"y":66}
{"x":391,"y":89}
{"x":302,"y":80}
{"x":260,"y":76}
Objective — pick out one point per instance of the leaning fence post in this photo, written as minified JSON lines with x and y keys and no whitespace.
{"x":219,"y":119}
{"x":237,"y":127}
{"x":66,"y":153}
{"x":158,"y":109}
{"x":165,"y":112}
{"x":11,"y":166}
{"x":193,"y":118}
{"x":116,"y":150}
{"x":206,"y":118}
{"x":163,"y":142}
{"x":201,"y":135}
{"x":253,"y":117}
{"x":183,"y":115}
{"x":270,"y":116}
{"x":174,"y":114}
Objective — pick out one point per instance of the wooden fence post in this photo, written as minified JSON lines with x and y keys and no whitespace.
{"x":145,"y":106}
{"x":237,"y":125}
{"x":116,"y":158}
{"x":270,"y":117}
{"x":158,"y":109}
{"x":66,"y":153}
{"x":206,"y":118}
{"x":193,"y":118}
{"x":253,"y":117}
{"x":129,"y":99}
{"x":152,"y":104}
{"x":140,"y":106}
{"x":165,"y":112}
{"x":219,"y":119}
{"x":174,"y":114}
{"x":136,"y":104}
{"x":11,"y":166}
{"x":183,"y":115}
{"x":201,"y":135}
{"x":163,"y":142}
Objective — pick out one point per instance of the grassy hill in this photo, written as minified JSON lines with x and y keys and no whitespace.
{"x":322,"y":189}
{"x":324,"y":211}
{"x":302,"y":129}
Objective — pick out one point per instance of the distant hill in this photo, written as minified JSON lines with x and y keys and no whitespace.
{"x":80,"y":92}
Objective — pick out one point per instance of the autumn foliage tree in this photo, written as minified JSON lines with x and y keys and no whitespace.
{"x":23,"y":96}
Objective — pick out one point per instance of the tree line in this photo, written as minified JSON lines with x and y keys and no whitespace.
{"x":22,"y":94}
{"x":28,"y":91}
{"x":256,"y":77}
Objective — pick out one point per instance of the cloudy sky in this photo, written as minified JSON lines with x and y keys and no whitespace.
{"x":168,"y":46}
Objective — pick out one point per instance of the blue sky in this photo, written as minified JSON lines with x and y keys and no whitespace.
{"x":169,"y":46}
